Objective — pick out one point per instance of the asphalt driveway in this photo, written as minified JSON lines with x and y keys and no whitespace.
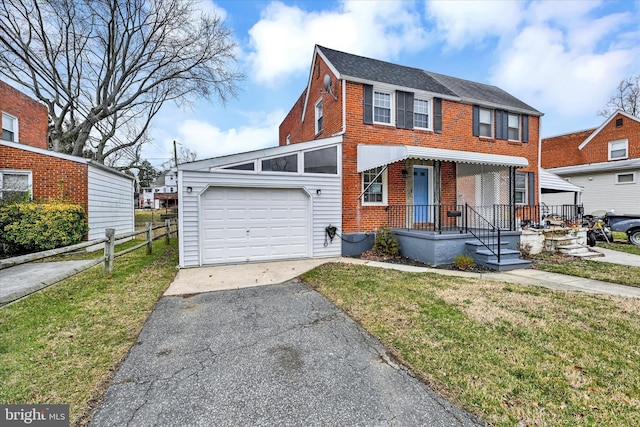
{"x":269,"y":355}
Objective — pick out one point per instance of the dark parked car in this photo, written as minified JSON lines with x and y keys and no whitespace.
{"x":627,"y":223}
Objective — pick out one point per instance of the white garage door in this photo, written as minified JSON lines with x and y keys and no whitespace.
{"x":254,"y":224}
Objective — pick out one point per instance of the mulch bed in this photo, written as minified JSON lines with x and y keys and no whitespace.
{"x":372,"y":256}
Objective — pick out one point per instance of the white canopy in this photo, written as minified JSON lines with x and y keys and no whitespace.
{"x":551,"y":181}
{"x":373,"y":156}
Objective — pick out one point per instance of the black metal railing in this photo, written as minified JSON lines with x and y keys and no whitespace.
{"x":436,"y":218}
{"x":456,"y":218}
{"x":483,"y":230}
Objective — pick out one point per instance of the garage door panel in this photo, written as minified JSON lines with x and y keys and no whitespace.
{"x":254,"y":224}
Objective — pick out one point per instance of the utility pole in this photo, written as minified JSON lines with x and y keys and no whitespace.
{"x":175,"y":153}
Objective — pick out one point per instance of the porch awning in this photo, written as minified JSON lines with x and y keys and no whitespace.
{"x":373,"y":156}
{"x":550,"y":181}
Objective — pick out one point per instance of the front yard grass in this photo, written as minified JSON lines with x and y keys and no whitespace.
{"x":62,"y":344}
{"x":513,"y":355}
{"x":604,"y":271}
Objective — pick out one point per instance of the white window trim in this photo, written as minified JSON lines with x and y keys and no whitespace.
{"x":392,"y":102}
{"x":519,"y":116}
{"x":525,"y":197}
{"x":491,"y":122}
{"x":429,"y":113}
{"x":633,"y":181}
{"x":626,"y":148}
{"x":385,"y":190}
{"x":16,"y":136}
{"x":315,"y":112}
{"x":17,"y":172}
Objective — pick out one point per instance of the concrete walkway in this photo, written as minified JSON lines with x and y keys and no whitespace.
{"x":616,"y":257}
{"x":208,"y":279}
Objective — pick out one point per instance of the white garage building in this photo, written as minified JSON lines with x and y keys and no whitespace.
{"x":265,"y":205}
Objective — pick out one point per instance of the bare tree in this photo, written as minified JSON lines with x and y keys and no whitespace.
{"x":101,"y":65}
{"x":626,"y":98}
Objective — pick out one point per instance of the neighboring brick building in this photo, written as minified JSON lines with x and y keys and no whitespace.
{"x":28,"y":168}
{"x":604,"y":161}
{"x":23,"y":119}
{"x":416,"y":138}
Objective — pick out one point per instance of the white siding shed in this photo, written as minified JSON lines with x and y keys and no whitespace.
{"x":110,"y":201}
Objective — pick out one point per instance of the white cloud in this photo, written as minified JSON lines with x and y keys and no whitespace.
{"x":209,"y":140}
{"x":463,"y":23}
{"x":282,"y":38}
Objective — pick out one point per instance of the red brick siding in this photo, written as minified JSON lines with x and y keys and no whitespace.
{"x":51,"y":176}
{"x":563,"y":150}
{"x":32,"y":116}
{"x":457,"y":134}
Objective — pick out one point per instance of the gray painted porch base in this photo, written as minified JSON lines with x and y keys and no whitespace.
{"x":428,"y":247}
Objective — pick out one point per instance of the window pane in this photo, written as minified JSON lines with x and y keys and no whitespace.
{"x":281,"y":164}
{"x":521,"y":181}
{"x":421,"y":113}
{"x":627,"y":177}
{"x":615,"y":154}
{"x":519,"y":197}
{"x":374,"y":192}
{"x":514,"y":121}
{"x":319,"y":116}
{"x":243,"y":167}
{"x":485,"y":130}
{"x":382,"y":107}
{"x":514,"y":134}
{"x":321,"y":161}
{"x":485,"y":116}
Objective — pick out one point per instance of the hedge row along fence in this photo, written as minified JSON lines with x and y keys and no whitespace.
{"x":170,"y":227}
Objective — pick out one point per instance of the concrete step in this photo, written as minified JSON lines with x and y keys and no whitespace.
{"x":508,"y":264}
{"x":484,"y":255}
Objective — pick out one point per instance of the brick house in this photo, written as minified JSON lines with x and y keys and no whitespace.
{"x":603,"y":161}
{"x":27,"y":167}
{"x":417,"y":144}
{"x":371,"y":144}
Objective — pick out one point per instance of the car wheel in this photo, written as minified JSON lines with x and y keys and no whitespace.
{"x":634,"y":237}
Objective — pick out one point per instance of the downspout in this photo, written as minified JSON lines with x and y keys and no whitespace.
{"x":344,"y":109}
{"x":539,"y":159}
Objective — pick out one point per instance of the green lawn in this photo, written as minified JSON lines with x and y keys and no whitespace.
{"x":62,"y":344}
{"x":512,"y":355}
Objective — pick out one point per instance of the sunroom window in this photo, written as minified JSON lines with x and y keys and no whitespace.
{"x":324,"y":160}
{"x":281,"y":164}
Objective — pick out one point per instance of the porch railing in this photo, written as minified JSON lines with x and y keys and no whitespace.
{"x":458,"y":218}
{"x":483,"y":230}
{"x":436,"y":218}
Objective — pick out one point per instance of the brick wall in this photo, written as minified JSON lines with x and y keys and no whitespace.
{"x":51,"y":176}
{"x":457,"y":134}
{"x":32,"y":116}
{"x":563,"y":150}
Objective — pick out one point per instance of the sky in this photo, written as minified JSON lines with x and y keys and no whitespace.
{"x":564,"y":58}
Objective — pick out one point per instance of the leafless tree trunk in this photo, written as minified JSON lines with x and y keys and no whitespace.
{"x":626,"y":98}
{"x":100,"y":65}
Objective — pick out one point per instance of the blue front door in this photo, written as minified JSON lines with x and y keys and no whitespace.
{"x":421,"y":194}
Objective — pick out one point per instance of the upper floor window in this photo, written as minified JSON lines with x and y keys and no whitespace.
{"x":421,"y":113}
{"x":15,"y":184}
{"x":319,"y":116}
{"x":9,"y":127}
{"x":485,"y":121}
{"x":513,"y":123}
{"x":374,"y":186}
{"x":381,"y":107}
{"x":618,"y":149}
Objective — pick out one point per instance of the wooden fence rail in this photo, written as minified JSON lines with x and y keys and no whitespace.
{"x":169,"y":227}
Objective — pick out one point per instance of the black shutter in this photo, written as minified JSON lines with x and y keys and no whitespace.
{"x":525,"y":128}
{"x":400,"y":109}
{"x":437,"y":115}
{"x":408,"y":108}
{"x":502,"y":124}
{"x":532,"y":186}
{"x":476,"y":120}
{"x":368,"y":104}
{"x":404,"y":110}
